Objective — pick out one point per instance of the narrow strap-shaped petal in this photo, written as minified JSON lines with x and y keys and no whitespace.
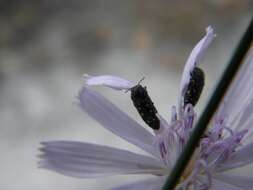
{"x":237,"y":104}
{"x":220,"y":185}
{"x":114,"y":82}
{"x":240,"y":158}
{"x":194,"y":58}
{"x":236,"y":180}
{"x":113,"y":119}
{"x":86,"y":160}
{"x":154,"y":183}
{"x":196,"y":55}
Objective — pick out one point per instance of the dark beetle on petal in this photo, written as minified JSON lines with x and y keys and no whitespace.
{"x":145,"y":106}
{"x":195,"y":87}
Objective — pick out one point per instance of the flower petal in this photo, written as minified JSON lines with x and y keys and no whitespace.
{"x":194,"y":58}
{"x":220,"y":185}
{"x":240,"y":158}
{"x":237,"y":104}
{"x":150,"y":184}
{"x":114,"y":82}
{"x":86,"y":160}
{"x":116,"y":121}
{"x":238,"y":181}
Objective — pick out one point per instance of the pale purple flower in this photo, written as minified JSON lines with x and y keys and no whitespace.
{"x":226,"y":145}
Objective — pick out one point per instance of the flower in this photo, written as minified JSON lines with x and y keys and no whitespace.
{"x":225,"y":146}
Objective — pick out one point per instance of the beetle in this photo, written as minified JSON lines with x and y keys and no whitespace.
{"x":195,"y":86}
{"x":145,"y":106}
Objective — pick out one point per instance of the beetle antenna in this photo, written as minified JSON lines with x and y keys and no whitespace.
{"x":142,"y":79}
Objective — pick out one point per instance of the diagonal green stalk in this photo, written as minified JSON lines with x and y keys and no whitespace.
{"x":210,"y":108}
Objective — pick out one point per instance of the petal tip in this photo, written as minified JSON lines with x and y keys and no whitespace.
{"x":114,"y":82}
{"x":210,"y":31}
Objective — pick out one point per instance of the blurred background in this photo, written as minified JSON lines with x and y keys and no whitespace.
{"x":47,"y":45}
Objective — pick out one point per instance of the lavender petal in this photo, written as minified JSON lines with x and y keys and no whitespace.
{"x":86,"y":160}
{"x":237,"y":104}
{"x":220,"y":185}
{"x":243,"y":182}
{"x":110,"y":81}
{"x":240,"y":158}
{"x":194,"y":58}
{"x":116,"y":121}
{"x":149,"y":184}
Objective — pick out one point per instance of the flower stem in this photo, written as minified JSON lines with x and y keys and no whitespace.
{"x":212,"y":105}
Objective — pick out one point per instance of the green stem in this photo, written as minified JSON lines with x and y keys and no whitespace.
{"x":210,"y":108}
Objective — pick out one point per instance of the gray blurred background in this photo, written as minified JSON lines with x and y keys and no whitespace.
{"x":46,"y":46}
